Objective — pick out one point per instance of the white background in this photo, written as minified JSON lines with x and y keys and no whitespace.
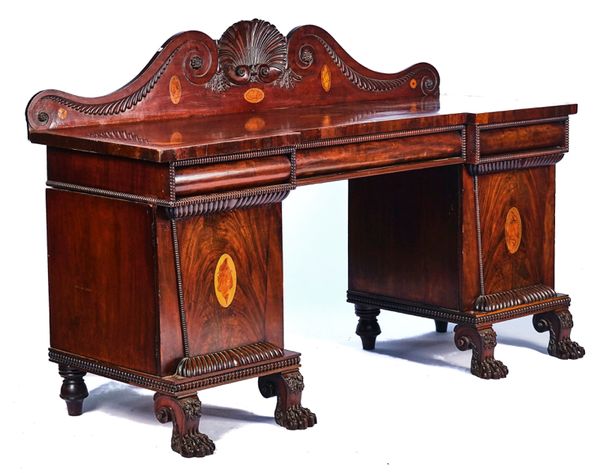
{"x":411,"y":405}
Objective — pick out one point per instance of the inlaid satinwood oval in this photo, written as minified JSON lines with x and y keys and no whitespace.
{"x":175,"y":89}
{"x":325,"y":78}
{"x":225,"y":280}
{"x":513,"y":230}
{"x":254,"y":95}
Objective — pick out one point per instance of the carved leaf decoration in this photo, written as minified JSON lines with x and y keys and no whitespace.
{"x":118,"y":106}
{"x":428,"y":84}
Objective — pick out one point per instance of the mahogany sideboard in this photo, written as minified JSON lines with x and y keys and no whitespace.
{"x":164,"y":214}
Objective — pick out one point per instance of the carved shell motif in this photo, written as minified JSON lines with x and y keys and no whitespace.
{"x":251,"y":51}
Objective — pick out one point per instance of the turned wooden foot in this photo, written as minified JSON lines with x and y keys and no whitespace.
{"x":185,"y":414}
{"x":73,"y":389}
{"x":288,"y":387}
{"x":368,"y":327}
{"x":559,"y":323}
{"x":441,"y":326}
{"x":482,"y":341}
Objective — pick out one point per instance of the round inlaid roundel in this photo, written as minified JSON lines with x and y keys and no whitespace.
{"x":225,"y":280}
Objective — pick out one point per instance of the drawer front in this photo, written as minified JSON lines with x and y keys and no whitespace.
{"x":513,"y":141}
{"x":339,"y":161}
{"x":228,"y":176}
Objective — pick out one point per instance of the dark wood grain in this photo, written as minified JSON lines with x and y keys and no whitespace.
{"x":469,"y":280}
{"x":252,"y":237}
{"x":108,"y":172}
{"x":532,"y":193}
{"x":170,"y":337}
{"x":230,"y":176}
{"x":101,"y":279}
{"x":403,"y":235}
{"x":545,"y":136}
{"x":376,"y":154}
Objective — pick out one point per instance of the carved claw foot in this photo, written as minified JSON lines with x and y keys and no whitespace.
{"x":192,"y":444}
{"x":295,"y":418}
{"x":288,"y":387}
{"x":73,"y":389}
{"x":185,"y":413}
{"x":482,"y":341}
{"x":368,"y":327}
{"x":489,"y":368}
{"x":559,"y":323}
{"x":567,"y":349}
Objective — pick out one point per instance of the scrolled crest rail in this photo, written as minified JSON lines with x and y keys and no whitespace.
{"x":252,"y":67}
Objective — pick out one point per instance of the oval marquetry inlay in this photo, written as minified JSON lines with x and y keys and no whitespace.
{"x":513,"y":230}
{"x":175,"y":89}
{"x":176,"y":138}
{"x":254,"y":124}
{"x":326,"y":78}
{"x":413,"y":83}
{"x":254,"y":95}
{"x":225,"y":280}
{"x":62,"y":113}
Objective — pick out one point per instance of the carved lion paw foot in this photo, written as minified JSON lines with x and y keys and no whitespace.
{"x":192,"y":444}
{"x":490,"y":368}
{"x":567,"y":349}
{"x":296,"y":418}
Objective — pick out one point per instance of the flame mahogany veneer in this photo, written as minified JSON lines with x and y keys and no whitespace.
{"x":164,"y":214}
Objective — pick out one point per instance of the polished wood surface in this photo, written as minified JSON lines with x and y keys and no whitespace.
{"x":252,"y":238}
{"x":531,"y":191}
{"x":405,"y":244}
{"x":100,"y":307}
{"x":164,"y":214}
{"x":170,"y":139}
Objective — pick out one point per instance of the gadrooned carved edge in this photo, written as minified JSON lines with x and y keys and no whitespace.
{"x":514,"y":297}
{"x":235,"y":201}
{"x":195,"y":205}
{"x":510,"y":163}
{"x":453,"y":316}
{"x":164,"y":385}
{"x":429,"y":83}
{"x":227,"y":359}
